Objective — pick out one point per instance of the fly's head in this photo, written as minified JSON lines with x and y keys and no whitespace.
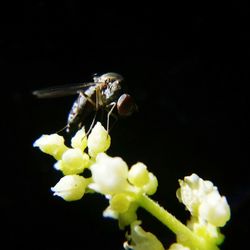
{"x":113,"y":91}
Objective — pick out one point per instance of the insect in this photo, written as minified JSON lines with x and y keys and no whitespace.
{"x":106,"y":92}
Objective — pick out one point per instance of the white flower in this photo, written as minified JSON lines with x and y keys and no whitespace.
{"x":203,"y":200}
{"x":70,"y":187}
{"x":73,"y":161}
{"x":215,"y":209}
{"x":109,"y":174}
{"x":51,"y":144}
{"x":98,"y":141}
{"x":80,"y":139}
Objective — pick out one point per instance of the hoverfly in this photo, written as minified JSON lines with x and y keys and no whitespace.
{"x":105,"y":92}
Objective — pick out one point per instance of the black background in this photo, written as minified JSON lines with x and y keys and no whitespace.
{"x":187,"y":66}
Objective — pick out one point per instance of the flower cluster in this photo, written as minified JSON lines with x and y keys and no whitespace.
{"x":209,"y":210}
{"x":110,"y":176}
{"x":129,"y":188}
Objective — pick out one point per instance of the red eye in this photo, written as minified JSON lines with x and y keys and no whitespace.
{"x":126,"y":105}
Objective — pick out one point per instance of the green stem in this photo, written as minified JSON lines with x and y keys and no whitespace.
{"x":183,"y":232}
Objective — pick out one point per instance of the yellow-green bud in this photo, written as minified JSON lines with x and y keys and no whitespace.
{"x":80,"y":139}
{"x":98,"y":140}
{"x":70,"y":187}
{"x":120,"y":203}
{"x":74,"y":161}
{"x":151,"y":187}
{"x":51,"y":144}
{"x":138,"y":174}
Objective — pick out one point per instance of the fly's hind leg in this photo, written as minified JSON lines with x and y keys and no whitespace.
{"x":92,"y":124}
{"x":112,"y":105}
{"x":95,"y":105}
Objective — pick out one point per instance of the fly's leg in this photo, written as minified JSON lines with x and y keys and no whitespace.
{"x":88,"y":98}
{"x":112,"y":105}
{"x":62,"y":129}
{"x":98,"y":102}
{"x":95,"y":105}
{"x":91,"y":125}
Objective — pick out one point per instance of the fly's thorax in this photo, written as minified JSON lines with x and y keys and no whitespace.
{"x":110,"y":85}
{"x":108,"y":77}
{"x":111,"y":92}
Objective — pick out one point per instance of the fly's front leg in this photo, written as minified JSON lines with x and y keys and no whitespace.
{"x":87,"y":97}
{"x":98,"y":102}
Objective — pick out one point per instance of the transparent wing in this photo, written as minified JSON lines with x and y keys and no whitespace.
{"x":62,"y":90}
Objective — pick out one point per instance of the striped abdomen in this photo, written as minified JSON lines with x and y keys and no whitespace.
{"x":81,"y":108}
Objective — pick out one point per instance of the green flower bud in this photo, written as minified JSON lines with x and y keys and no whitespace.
{"x":138,"y":174}
{"x":151,"y":187}
{"x":120,"y":203}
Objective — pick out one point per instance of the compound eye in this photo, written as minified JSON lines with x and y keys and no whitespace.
{"x":126,"y":105}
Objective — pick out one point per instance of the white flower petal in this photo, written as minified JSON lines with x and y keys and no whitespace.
{"x":109,"y":174}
